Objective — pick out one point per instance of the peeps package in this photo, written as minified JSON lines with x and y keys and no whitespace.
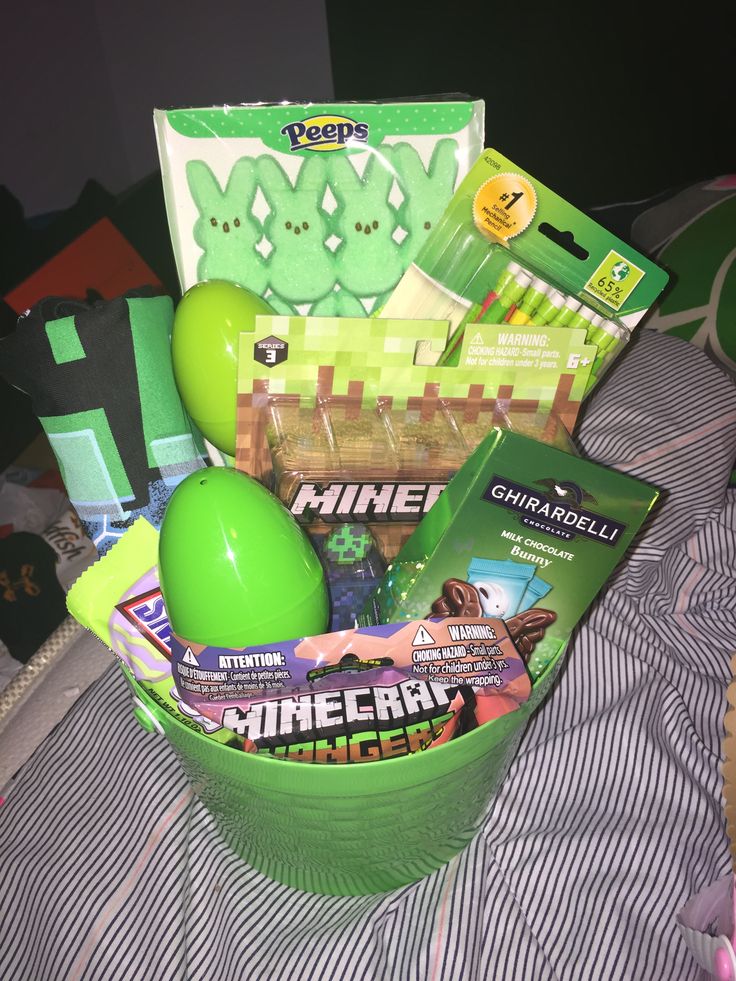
{"x":521,"y":526}
{"x":318,"y":208}
{"x":510,"y":251}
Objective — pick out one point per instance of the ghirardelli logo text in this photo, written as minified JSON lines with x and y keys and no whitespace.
{"x":556,"y":510}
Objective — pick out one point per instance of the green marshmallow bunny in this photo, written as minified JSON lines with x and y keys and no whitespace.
{"x":300,"y":266}
{"x":368,"y":259}
{"x":279,"y":305}
{"x":426,"y":193}
{"x":226,"y":230}
{"x":338,"y":303}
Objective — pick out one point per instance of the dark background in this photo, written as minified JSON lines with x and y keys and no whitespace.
{"x":603,"y":102}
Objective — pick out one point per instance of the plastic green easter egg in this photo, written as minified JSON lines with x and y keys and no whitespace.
{"x":204,"y":350}
{"x":235,"y":567}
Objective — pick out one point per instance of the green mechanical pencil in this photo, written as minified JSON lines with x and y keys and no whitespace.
{"x":530,"y":301}
{"x":548,"y":309}
{"x":566,"y":313}
{"x":511,"y":294}
{"x":451,"y":354}
{"x":581,"y":319}
{"x":610,"y":338}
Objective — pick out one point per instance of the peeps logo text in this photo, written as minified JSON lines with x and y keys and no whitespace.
{"x":324,"y":133}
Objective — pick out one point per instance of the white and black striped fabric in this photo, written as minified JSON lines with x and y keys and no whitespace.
{"x":608,"y":821}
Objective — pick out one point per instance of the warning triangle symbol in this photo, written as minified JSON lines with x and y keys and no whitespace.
{"x":422,"y":637}
{"x":189,"y":657}
{"x":478,"y":339}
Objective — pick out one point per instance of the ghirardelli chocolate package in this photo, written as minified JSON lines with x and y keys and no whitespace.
{"x":522,"y":525}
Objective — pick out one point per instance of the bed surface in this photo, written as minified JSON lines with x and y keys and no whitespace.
{"x":609,"y":820}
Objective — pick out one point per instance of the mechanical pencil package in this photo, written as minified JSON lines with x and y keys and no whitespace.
{"x":509,"y":251}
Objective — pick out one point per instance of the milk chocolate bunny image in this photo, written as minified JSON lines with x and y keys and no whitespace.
{"x":461,"y":599}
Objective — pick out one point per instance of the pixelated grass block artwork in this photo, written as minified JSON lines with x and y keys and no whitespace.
{"x":328,"y":359}
{"x":356,"y":367}
{"x":319,"y":208}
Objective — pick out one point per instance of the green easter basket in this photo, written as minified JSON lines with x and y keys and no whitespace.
{"x":354,"y":829}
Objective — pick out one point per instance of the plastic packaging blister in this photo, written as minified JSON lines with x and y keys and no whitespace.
{"x":509,"y":251}
{"x":382,"y":467}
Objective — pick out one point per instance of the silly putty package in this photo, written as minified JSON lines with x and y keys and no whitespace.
{"x":521,"y":525}
{"x":320,"y":207}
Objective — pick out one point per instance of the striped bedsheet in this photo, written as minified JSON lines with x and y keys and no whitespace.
{"x":609,"y":820}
